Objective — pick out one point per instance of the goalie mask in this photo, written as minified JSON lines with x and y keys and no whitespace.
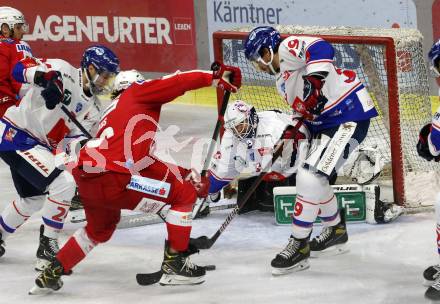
{"x":124,"y":79}
{"x":241,"y":119}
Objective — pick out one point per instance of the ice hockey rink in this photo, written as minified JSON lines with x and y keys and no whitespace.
{"x":384,"y":265}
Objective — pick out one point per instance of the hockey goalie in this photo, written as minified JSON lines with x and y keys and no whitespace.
{"x":248,"y":144}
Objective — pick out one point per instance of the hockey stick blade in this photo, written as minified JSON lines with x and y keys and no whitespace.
{"x":202,"y":242}
{"x":146,"y":279}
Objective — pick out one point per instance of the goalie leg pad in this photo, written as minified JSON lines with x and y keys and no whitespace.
{"x":330,"y":150}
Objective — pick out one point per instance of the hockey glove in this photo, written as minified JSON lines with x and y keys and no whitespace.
{"x":313,"y":100}
{"x":423,"y":145}
{"x":302,"y":133}
{"x":226,"y":77}
{"x":214,"y":197}
{"x":200,"y":183}
{"x":53,"y":93}
{"x":273,"y":177}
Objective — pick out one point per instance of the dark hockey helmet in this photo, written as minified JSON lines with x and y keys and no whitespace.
{"x":106,"y":64}
{"x":261,"y":37}
{"x":434,"y":58}
{"x":102,"y":58}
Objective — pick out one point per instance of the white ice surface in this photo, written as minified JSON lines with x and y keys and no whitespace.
{"x":384,"y":265}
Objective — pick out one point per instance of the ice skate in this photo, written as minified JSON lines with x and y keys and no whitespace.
{"x":294,"y":257}
{"x":49,"y":279}
{"x":431,"y":274}
{"x":331,"y":241}
{"x":178,"y":270}
{"x":433,"y":292}
{"x":47,"y":250}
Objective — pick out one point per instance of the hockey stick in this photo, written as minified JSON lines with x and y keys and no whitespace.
{"x":215,"y":66}
{"x":75,"y":121}
{"x":203,"y":242}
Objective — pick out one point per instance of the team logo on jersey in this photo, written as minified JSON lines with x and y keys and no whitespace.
{"x":79,"y":107}
{"x":10,"y":134}
{"x":149,"y":186}
{"x":67,"y":97}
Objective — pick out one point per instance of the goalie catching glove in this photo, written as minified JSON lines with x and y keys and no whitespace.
{"x":52,"y":82}
{"x":423,"y":144}
{"x":313,"y":100}
{"x":226,"y":77}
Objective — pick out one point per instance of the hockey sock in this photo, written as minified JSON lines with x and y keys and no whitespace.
{"x":75,"y":250}
{"x":179,"y":229}
{"x":17,"y":212}
{"x":54,"y":212}
{"x":304,"y":215}
{"x":328,"y":212}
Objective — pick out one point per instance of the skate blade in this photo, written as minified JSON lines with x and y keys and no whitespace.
{"x":175,"y":280}
{"x":303,"y":265}
{"x":331,"y":251}
{"x":41,"y":264}
{"x":35,"y":291}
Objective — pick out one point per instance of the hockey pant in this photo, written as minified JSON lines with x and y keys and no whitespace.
{"x":105,"y":194}
{"x":39,"y":184}
{"x":329,"y":149}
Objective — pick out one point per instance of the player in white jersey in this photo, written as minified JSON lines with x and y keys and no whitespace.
{"x":247,"y":145}
{"x":33,"y":132}
{"x":337,"y":109}
{"x":428,"y":147}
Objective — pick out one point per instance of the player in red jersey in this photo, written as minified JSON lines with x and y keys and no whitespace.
{"x":12,"y":50}
{"x":119,"y":171}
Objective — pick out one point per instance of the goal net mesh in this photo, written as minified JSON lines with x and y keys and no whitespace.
{"x":419,"y":179}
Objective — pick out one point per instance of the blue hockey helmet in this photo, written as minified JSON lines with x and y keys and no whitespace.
{"x":106,"y":64}
{"x":261,"y":37}
{"x":434,"y":58}
{"x":102,"y":58}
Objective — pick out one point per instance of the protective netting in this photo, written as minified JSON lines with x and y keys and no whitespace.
{"x":369,"y":61}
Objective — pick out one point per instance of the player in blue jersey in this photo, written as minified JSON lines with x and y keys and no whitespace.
{"x":428,"y":147}
{"x":337,"y":109}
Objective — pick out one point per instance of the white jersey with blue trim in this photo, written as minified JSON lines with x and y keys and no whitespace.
{"x":434,"y":136}
{"x":347,"y":98}
{"x":250,"y":155}
{"x":51,"y":126}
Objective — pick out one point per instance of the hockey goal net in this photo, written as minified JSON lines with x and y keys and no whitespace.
{"x":391,"y":64}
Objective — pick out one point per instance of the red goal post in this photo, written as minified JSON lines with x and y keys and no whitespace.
{"x":390,"y":62}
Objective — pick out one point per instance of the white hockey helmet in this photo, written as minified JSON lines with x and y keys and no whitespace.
{"x":242,"y":119}
{"x":11,"y":17}
{"x":124,"y":79}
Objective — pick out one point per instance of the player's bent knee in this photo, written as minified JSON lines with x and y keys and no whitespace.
{"x":100,"y":235}
{"x":63,"y":185}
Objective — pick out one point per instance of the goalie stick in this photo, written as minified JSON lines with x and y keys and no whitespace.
{"x":215,"y":66}
{"x":203,"y":242}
